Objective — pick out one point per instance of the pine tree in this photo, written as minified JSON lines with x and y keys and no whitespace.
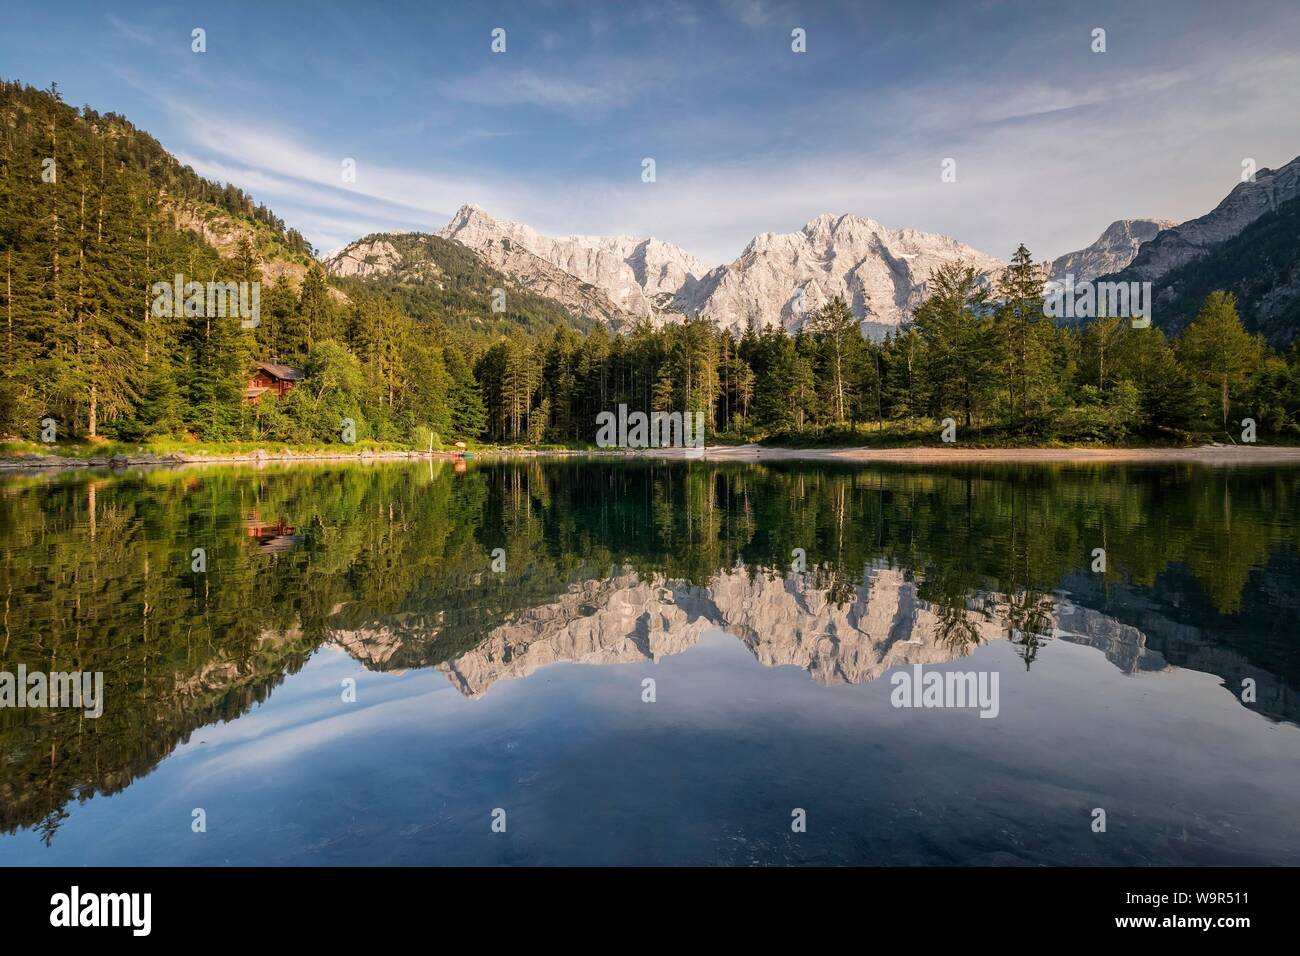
{"x":1219,"y":349}
{"x":468,"y":415}
{"x":159,"y":411}
{"x":316,"y":318}
{"x":960,"y":349}
{"x":1025,"y":338}
{"x":247,"y":264}
{"x":835,"y":325}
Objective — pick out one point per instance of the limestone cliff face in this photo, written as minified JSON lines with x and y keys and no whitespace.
{"x":373,"y":256}
{"x":1114,"y":249}
{"x":618,"y":621}
{"x":544,"y":278}
{"x":776,"y":281}
{"x":792,"y":622}
{"x":375,"y":646}
{"x":1124,"y":645}
{"x":780,"y":278}
{"x":634,"y":278}
{"x":224,"y":232}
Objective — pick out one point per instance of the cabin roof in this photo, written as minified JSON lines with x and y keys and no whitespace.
{"x":286,"y":373}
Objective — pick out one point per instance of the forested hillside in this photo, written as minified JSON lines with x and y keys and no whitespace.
{"x":95,"y":213}
{"x":436,"y":280}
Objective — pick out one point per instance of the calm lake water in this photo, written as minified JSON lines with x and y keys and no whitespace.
{"x":359,"y":676}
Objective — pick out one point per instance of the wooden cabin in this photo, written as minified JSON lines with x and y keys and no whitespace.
{"x":279,"y":380}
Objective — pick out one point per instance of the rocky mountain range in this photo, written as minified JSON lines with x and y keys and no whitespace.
{"x":1249,"y":245}
{"x":780,"y":278}
{"x":783,"y":619}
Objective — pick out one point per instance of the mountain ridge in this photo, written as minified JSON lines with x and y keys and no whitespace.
{"x":779,"y":279}
{"x":880,"y":272}
{"x":605,"y":263}
{"x":1260,"y":266}
{"x":1245,"y":203}
{"x":776,"y":280}
{"x":1113,"y":250}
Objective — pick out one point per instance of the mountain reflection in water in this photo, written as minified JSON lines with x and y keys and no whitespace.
{"x":609,"y":563}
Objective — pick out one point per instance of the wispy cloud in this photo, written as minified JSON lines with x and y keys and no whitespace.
{"x":124,"y":29}
{"x":587,"y":87}
{"x":523,"y":88}
{"x":1051,"y":142}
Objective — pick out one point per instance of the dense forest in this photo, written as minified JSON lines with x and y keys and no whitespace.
{"x":93,"y":212}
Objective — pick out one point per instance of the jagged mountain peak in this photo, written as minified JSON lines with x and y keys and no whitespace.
{"x":782,"y":277}
{"x":1146,"y":228}
{"x":468,"y":210}
{"x":632,"y":277}
{"x":1114,"y":249}
{"x":830,"y":222}
{"x":777,"y":280}
{"x":471,"y":216}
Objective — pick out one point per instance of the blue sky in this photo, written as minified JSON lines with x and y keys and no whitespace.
{"x":1051,"y":140}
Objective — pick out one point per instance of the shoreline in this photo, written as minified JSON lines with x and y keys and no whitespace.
{"x":34,"y":461}
{"x":929,"y":455}
{"x":926,"y":455}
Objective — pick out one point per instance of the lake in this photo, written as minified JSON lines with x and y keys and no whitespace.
{"x":575,"y":661}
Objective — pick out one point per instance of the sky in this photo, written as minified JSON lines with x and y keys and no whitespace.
{"x":1051,"y":141}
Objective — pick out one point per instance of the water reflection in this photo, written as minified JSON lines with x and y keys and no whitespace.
{"x":608,"y":563}
{"x":272,"y":538}
{"x":789,"y":620}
